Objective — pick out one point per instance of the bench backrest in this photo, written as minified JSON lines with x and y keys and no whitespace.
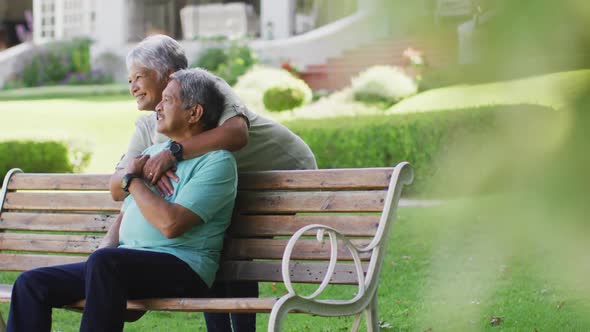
{"x":48,"y":219}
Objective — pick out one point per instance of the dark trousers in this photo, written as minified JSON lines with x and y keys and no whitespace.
{"x":220,"y":322}
{"x":107,"y":280}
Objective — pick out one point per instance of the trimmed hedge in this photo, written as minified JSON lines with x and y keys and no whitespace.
{"x":420,"y":138}
{"x":42,"y":157}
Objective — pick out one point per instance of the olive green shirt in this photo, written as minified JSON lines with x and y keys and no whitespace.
{"x":271,"y":146}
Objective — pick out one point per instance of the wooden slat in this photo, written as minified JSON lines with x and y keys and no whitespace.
{"x":52,"y":243}
{"x":304,"y":272}
{"x":21,"y":262}
{"x":48,"y":181}
{"x":56,"y":221}
{"x":235,"y":305}
{"x":56,"y":201}
{"x":325,"y":179}
{"x":292,"y":202}
{"x":265,"y":226}
{"x":274,"y":248}
{"x":180,"y":304}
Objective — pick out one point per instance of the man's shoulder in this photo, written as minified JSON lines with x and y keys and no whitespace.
{"x":220,"y":161}
{"x":148,"y":119}
{"x":209,"y":160}
{"x":156,"y":148}
{"x":219,"y":164}
{"x":219,"y":155}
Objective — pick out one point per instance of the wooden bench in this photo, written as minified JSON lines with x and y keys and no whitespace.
{"x":338,"y":221}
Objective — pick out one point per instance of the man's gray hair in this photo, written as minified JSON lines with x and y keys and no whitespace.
{"x":198,"y":86}
{"x":159,"y":53}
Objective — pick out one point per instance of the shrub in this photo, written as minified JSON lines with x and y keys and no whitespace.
{"x":211,"y":59}
{"x":383,"y":84}
{"x":252,"y":86}
{"x":420,"y":138}
{"x":59,"y":63}
{"x":229,"y":62}
{"x":279,"y":98}
{"x":86,"y":78}
{"x":44,"y":156}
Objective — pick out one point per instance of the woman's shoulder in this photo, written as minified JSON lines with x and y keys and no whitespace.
{"x":146,"y":120}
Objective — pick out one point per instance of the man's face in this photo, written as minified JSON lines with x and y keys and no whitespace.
{"x":145,"y":86}
{"x":172,"y":117}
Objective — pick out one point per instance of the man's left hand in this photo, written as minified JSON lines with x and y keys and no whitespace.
{"x":136,"y":166}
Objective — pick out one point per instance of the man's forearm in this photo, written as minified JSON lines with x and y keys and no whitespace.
{"x":117,"y":192}
{"x":170,"y":219}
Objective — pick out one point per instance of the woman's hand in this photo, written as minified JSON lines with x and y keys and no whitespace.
{"x":164,"y":184}
{"x":158,"y":165}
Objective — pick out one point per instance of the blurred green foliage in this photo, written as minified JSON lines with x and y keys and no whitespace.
{"x":537,"y":163}
{"x":458,"y":74}
{"x":42,"y":156}
{"x":63,"y":62}
{"x":283,"y":98}
{"x":228,"y":62}
{"x":211,"y":58}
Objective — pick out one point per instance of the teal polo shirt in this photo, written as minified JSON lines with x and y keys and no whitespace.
{"x":207,"y":187}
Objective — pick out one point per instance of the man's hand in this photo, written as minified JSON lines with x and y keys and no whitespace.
{"x":136,"y":165}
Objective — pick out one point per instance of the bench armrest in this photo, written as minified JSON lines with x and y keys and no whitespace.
{"x":333,"y":236}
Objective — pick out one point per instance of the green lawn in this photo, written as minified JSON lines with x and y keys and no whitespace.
{"x":105,"y":124}
{"x":64,"y":91}
{"x":440,"y":272}
{"x":554,"y":90}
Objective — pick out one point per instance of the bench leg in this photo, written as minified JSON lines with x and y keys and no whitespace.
{"x":2,"y":324}
{"x":372,"y":315}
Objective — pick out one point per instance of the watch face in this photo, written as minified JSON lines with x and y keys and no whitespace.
{"x":124,"y":182}
{"x":176,"y":150}
{"x":174,"y":147}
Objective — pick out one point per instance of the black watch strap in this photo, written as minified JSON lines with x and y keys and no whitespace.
{"x":126,"y":181}
{"x":176,"y":150}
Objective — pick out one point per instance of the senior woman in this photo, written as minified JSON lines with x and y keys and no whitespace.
{"x":258,"y":144}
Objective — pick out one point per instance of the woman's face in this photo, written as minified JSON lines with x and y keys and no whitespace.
{"x":145,"y":86}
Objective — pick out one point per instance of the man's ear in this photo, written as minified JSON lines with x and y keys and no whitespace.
{"x":196,"y":114}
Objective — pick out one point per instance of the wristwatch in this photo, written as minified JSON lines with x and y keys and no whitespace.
{"x":176,"y":150}
{"x":126,"y":181}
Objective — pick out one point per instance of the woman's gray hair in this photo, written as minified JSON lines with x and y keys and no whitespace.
{"x":198,"y":86}
{"x":159,"y":53}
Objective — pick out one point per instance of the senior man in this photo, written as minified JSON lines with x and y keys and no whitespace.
{"x":167,"y":246}
{"x":258,"y":144}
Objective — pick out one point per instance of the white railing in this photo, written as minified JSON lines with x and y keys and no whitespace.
{"x":63,"y":19}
